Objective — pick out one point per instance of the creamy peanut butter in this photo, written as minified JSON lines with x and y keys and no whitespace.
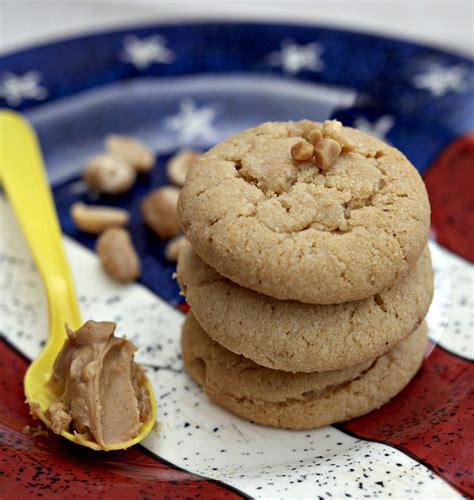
{"x":101,"y":392}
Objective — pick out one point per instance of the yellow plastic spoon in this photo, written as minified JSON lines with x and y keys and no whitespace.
{"x":25,"y":183}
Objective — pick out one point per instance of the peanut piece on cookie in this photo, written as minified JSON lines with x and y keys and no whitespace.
{"x":118,"y":255}
{"x":159,"y":211}
{"x":325,"y":152}
{"x":332,"y":129}
{"x":95,"y":219}
{"x":132,"y":151}
{"x":331,"y":126}
{"x":302,"y":128}
{"x":179,"y":165}
{"x":302,"y":151}
{"x":107,"y":173}
{"x":315,"y":136}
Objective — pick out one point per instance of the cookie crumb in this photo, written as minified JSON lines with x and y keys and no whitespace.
{"x":302,"y":151}
{"x":35,"y":431}
{"x":35,"y":409}
{"x":325,"y":152}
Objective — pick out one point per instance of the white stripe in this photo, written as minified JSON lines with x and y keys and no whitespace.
{"x":451,"y":315}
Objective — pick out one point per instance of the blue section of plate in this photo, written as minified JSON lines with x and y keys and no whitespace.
{"x":157,"y":272}
{"x":427,"y":92}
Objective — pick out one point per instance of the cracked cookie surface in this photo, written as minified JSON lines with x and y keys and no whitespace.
{"x":297,"y":337}
{"x":299,"y":400}
{"x":291,"y":231}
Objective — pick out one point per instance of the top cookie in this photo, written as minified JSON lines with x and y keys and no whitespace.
{"x":292,"y":231}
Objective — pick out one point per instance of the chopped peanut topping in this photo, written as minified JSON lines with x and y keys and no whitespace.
{"x":315,"y":136}
{"x":302,"y":151}
{"x":331,"y":126}
{"x":325,"y":152}
{"x":332,"y":129}
{"x":302,"y":128}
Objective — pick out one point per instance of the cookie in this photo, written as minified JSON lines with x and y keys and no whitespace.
{"x":287,"y":229}
{"x":299,"y":400}
{"x":292,"y":336}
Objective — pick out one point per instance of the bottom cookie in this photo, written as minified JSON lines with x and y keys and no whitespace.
{"x":297,"y":400}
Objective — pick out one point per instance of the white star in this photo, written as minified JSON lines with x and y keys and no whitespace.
{"x":378,"y":128}
{"x":142,"y":53}
{"x":192,"y":123}
{"x":440,"y":80}
{"x":16,"y":88}
{"x":294,"y":58}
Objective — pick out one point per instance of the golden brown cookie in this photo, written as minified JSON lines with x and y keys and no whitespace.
{"x":299,"y":400}
{"x":292,"y":336}
{"x":287,"y":229}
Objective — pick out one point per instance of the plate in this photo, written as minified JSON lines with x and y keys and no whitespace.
{"x":191,"y":85}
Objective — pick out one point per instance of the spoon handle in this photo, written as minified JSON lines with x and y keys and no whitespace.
{"x":25,"y":183}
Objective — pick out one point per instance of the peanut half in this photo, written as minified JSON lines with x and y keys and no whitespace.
{"x":132,"y":151}
{"x":159,"y":211}
{"x":109,"y":174}
{"x":118,"y":255}
{"x":173,"y":247}
{"x":94,"y":219}
{"x":179,"y":165}
{"x":315,"y":136}
{"x":302,"y":151}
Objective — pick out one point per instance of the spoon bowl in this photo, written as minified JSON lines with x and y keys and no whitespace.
{"x":25,"y":183}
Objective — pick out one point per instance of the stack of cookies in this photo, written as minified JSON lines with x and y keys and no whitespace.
{"x":307,"y":272}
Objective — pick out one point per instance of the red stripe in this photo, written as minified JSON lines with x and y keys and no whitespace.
{"x":431,"y":420}
{"x":38,"y":466}
{"x":450,"y":181}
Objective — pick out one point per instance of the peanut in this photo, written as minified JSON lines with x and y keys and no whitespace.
{"x":302,"y":151}
{"x":159,"y":211}
{"x":332,"y":129}
{"x":118,"y":255}
{"x":331,"y":126}
{"x":95,"y":219}
{"x":315,"y":136}
{"x":325,"y":152}
{"x":302,"y":128}
{"x":179,"y":165}
{"x":109,"y":174}
{"x":132,"y":151}
{"x":173,"y":247}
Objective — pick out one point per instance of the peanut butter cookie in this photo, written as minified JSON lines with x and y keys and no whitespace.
{"x":341,"y":226}
{"x":299,"y":400}
{"x":292,"y":336}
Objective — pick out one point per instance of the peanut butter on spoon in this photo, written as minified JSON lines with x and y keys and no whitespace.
{"x":101,"y":392}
